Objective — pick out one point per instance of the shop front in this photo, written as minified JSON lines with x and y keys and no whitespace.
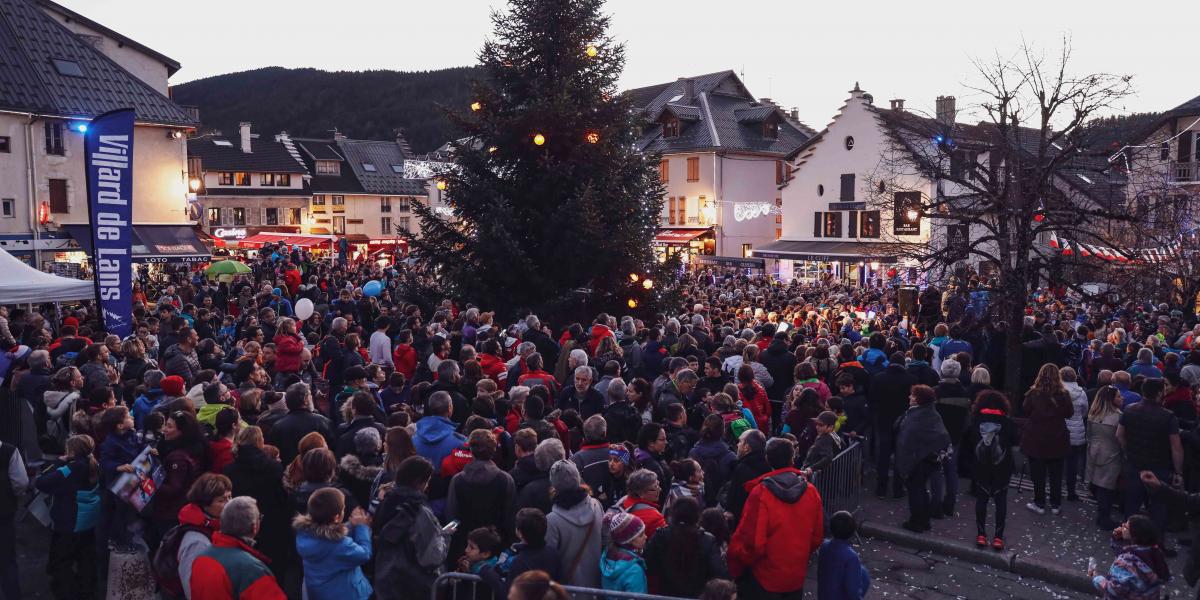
{"x":756,"y":266}
{"x":687,"y":243}
{"x":387,"y":249}
{"x":820,"y":262}
{"x":152,"y":244}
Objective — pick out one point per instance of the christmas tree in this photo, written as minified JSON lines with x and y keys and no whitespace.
{"x":553,"y":209}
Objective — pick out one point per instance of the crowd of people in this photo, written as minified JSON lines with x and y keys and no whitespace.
{"x":370,"y":447}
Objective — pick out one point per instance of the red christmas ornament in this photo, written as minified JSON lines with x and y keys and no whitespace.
{"x":1039,"y":217}
{"x":891,"y":272}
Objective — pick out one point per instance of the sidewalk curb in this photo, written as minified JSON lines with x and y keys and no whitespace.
{"x":1005,"y":560}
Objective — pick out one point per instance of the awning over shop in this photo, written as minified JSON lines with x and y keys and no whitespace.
{"x":730,"y":261}
{"x":302,"y":241}
{"x":154,"y":243}
{"x":678,"y":237}
{"x":357,"y":238}
{"x":825,"y":251}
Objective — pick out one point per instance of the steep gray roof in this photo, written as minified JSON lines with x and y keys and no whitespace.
{"x":383,"y":180}
{"x":265,"y":156}
{"x":312,"y":150}
{"x":723,"y":114}
{"x":30,"y":41}
{"x":171,"y":64}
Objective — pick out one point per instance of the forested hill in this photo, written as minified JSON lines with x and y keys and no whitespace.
{"x":311,"y":102}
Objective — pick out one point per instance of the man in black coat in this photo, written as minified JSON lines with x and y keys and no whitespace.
{"x":547,"y":347}
{"x":448,"y":380}
{"x":300,"y":421}
{"x":888,"y":398}
{"x":582,"y":396}
{"x":363,"y":406}
{"x":781,"y":364}
{"x":751,"y":464}
{"x":33,"y":385}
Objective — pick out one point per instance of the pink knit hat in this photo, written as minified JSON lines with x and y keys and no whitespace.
{"x":624,"y":528}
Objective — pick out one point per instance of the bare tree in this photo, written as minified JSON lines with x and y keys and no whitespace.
{"x":992,"y":194}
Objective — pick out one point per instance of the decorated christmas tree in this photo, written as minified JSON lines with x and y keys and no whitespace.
{"x":552,"y":208}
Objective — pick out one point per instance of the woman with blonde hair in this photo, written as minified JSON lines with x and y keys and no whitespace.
{"x":1045,"y":439}
{"x":1105,"y":459}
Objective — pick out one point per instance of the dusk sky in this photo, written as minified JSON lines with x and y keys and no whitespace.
{"x":802,"y":54}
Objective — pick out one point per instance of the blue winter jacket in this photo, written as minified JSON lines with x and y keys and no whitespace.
{"x":76,"y":502}
{"x":436,"y":439}
{"x":144,"y":404}
{"x":116,"y":450}
{"x":840,"y":573}
{"x":625,"y":572}
{"x":333,"y":560}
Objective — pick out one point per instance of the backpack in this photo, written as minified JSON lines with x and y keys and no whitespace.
{"x":738,"y":424}
{"x":989,"y":450}
{"x":165,"y":564}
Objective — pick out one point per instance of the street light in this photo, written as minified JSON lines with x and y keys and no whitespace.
{"x":194,"y":184}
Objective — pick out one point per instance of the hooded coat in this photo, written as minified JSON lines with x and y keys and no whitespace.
{"x":436,"y":438}
{"x":333,"y":558}
{"x":781,"y":527}
{"x":410,"y":547}
{"x":259,"y":476}
{"x":574,"y":527}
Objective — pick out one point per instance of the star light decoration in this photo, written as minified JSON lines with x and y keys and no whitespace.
{"x":593,"y":137}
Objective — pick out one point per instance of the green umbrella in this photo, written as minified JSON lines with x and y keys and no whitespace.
{"x":226,"y":267}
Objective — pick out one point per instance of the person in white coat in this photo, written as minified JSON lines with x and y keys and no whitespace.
{"x":1077,"y":428}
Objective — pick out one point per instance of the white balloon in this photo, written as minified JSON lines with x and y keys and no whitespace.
{"x":304,"y":309}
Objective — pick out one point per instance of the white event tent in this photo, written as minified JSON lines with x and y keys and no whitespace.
{"x":22,"y":284}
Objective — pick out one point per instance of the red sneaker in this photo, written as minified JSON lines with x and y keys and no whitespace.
{"x":997,"y":544}
{"x":981,"y":541}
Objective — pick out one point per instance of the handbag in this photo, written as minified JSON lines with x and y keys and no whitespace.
{"x":582,"y":547}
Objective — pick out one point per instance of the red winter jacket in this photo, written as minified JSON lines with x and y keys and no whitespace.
{"x":456,"y":461}
{"x":287,"y":353}
{"x":405,"y":359}
{"x":758,"y":404}
{"x":231,"y":570}
{"x":645,"y":510}
{"x":532,"y":378}
{"x":599,"y":332}
{"x":781,"y":527}
{"x":493,"y":368}
{"x":291,"y":278}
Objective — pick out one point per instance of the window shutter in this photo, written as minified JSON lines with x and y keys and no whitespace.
{"x":848,"y":187}
{"x":58,"y":196}
{"x":818,"y":223}
{"x":1184,"y":154}
{"x":852,"y":225}
{"x":671,"y":210}
{"x":778,"y":172}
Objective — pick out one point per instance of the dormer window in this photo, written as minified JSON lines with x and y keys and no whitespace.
{"x":770,"y":129}
{"x":671,"y":128}
{"x":329,"y":167}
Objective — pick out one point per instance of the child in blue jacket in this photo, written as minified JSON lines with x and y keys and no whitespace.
{"x":72,"y":482}
{"x":333,"y":553}
{"x":622,"y":568}
{"x":840,"y":573}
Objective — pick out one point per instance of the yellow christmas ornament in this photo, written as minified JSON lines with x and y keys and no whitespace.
{"x":592,"y":51}
{"x":441,"y":184}
{"x":632,"y":303}
{"x":539,"y":139}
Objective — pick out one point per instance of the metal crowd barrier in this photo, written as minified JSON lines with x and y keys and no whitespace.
{"x":841,"y":482}
{"x":446,"y":587}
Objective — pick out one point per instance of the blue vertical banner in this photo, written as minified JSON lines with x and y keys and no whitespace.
{"x":109,"y":165}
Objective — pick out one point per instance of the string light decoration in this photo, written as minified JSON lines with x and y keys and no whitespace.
{"x":539,"y":139}
{"x":647,"y":283}
{"x":491,"y":149}
{"x":592,"y":51}
{"x":634,"y":277}
{"x":632,"y":303}
{"x":476,"y":106}
{"x":593,"y":137}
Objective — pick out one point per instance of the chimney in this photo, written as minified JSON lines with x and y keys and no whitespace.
{"x":402,"y":141}
{"x":795,"y":114}
{"x":244,"y":130}
{"x":282,"y":136}
{"x":897,"y":103}
{"x":946,"y":110}
{"x":337,"y":135}
{"x":766,"y":102}
{"x":689,"y":89}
